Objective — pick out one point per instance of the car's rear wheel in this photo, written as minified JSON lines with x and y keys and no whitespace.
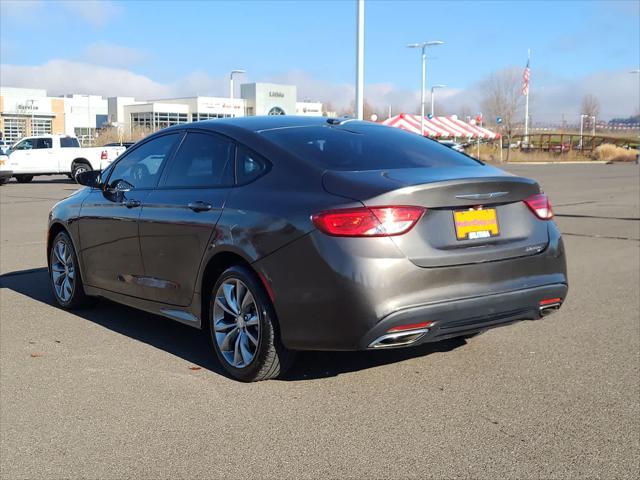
{"x":243,"y":328}
{"x":64,"y":273}
{"x":24,"y":178}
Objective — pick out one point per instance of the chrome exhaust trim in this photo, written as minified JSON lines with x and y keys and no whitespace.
{"x":549,"y":309}
{"x":398,"y":339}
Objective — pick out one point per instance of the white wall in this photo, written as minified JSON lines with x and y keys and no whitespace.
{"x":81,"y":111}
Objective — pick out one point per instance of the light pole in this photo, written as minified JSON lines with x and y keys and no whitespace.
{"x":360,"y":60}
{"x":231,"y":81}
{"x":582,"y":117}
{"x":423,"y":47}
{"x":433,"y":97}
{"x":31,"y":102}
{"x":89,"y":119}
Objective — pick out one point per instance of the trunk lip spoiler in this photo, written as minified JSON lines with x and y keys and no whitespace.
{"x":482,"y":196}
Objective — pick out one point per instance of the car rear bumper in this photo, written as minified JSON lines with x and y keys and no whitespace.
{"x":333,"y":293}
{"x":463,"y":317}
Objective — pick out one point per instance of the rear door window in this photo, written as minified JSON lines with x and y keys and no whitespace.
{"x":203,"y":160}
{"x":69,"y":142}
{"x":249,"y":165}
{"x":364,"y":147}
{"x":40,"y":143}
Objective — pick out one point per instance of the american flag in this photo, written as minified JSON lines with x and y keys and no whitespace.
{"x":525,"y":80}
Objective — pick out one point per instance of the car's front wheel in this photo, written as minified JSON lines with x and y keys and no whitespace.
{"x":243,"y":328}
{"x":64,"y":273}
{"x":24,"y":178}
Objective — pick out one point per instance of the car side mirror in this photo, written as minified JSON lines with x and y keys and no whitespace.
{"x":89,"y":178}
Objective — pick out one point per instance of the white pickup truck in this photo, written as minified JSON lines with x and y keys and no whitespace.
{"x":51,"y":154}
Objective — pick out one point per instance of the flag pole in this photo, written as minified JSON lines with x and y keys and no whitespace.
{"x":526,"y":104}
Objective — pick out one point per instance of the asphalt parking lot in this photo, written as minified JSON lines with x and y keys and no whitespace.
{"x":112,"y":392}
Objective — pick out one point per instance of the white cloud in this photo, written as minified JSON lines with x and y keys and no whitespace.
{"x":312,"y":89}
{"x":63,"y":76}
{"x":59,"y":77}
{"x":112,"y":55}
{"x":618,"y":92}
{"x":96,"y":12}
{"x":553,"y":99}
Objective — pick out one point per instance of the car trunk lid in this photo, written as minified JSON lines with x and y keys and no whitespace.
{"x":434,"y":241}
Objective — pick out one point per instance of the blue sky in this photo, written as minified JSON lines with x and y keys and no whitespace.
{"x":188,"y":47}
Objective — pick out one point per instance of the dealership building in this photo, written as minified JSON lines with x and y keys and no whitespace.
{"x":26,"y":112}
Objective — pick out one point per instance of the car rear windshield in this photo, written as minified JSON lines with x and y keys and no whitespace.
{"x":69,"y":142}
{"x":359,"y":147}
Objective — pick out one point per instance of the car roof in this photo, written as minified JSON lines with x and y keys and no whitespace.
{"x":265,"y":122}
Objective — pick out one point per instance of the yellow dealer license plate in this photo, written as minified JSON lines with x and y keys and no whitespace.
{"x":474,"y":224}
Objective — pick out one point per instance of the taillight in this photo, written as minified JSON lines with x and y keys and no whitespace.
{"x":540,"y":206}
{"x":368,"y":222}
{"x":103,"y":155}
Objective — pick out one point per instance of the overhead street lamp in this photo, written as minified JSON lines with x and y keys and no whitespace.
{"x":433,"y":97}
{"x":231,"y":81}
{"x":423,"y":47}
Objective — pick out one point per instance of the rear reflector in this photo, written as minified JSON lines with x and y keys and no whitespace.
{"x":267,"y":287}
{"x":550,"y":301}
{"x":368,"y":222}
{"x":540,"y":206}
{"x":411,"y":326}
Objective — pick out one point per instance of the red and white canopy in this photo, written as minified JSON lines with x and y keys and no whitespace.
{"x":440,"y":127}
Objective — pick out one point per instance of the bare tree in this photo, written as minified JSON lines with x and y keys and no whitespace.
{"x":464,"y":112}
{"x":367,"y":107}
{"x":502,"y":97}
{"x":370,"y":110}
{"x":328,"y":108}
{"x":590,"y":106}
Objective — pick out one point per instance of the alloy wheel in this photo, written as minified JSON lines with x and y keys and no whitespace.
{"x":78,"y":170}
{"x":236,"y":323}
{"x":63,"y":271}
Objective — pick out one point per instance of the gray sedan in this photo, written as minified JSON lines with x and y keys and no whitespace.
{"x":278,"y":234}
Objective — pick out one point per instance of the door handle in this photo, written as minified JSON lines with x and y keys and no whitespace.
{"x":199,"y":206}
{"x":132,"y":203}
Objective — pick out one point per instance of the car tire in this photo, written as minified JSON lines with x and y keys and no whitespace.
{"x":243,"y":328}
{"x":65,"y":276}
{"x":24,"y":178}
{"x":3,"y":181}
{"x":79,"y":167}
